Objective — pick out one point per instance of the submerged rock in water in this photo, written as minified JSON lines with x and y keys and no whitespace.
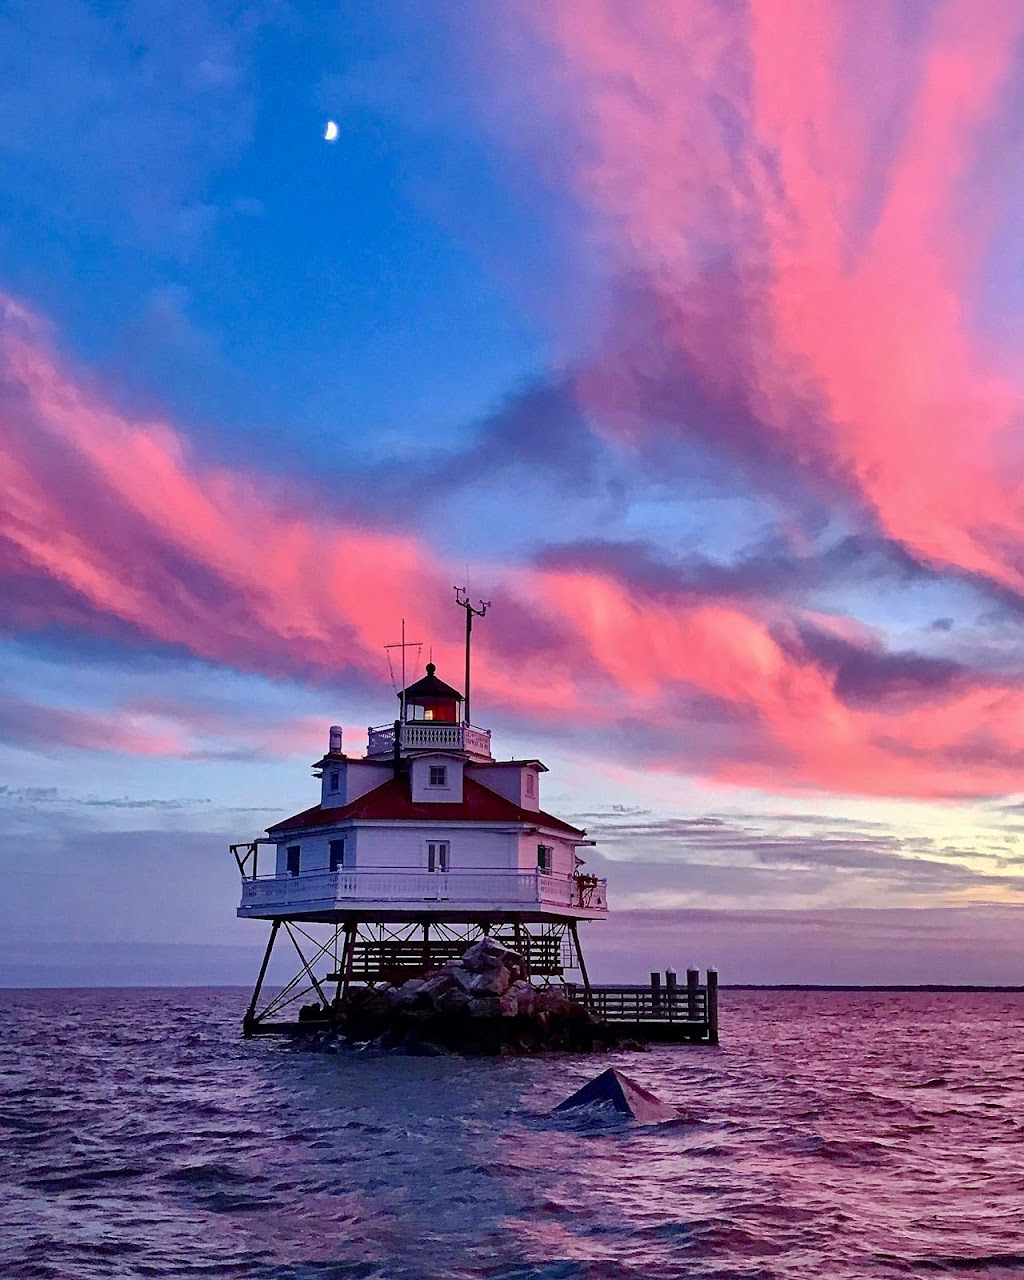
{"x":482,"y":1003}
{"x":613,"y":1089}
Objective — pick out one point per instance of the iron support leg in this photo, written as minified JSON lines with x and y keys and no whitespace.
{"x":587,"y":999}
{"x":249,"y":1021}
{"x":309,"y":972}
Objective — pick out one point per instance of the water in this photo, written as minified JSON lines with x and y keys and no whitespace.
{"x":833,"y":1135}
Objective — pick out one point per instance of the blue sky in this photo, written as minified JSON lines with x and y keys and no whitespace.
{"x":705,"y":374}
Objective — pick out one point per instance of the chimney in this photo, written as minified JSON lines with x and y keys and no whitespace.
{"x":335,"y":747}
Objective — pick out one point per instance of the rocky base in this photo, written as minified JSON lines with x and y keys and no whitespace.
{"x":482,"y":1004}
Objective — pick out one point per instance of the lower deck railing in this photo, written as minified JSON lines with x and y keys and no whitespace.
{"x":383,"y":885}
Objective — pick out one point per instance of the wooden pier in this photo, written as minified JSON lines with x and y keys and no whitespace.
{"x":664,"y":1012}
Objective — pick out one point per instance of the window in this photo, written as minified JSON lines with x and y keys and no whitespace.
{"x":437,"y":855}
{"x":334,"y":780}
{"x":428,"y":714}
{"x":337,"y":854}
{"x":545,"y":858}
{"x":292,"y":856}
{"x":531,"y":784}
{"x":438,"y":775}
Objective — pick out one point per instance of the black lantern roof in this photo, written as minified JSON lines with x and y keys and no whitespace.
{"x":429,"y":687}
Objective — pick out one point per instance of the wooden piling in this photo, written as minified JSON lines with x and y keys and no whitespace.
{"x":712,"y":998}
{"x":671,"y":994}
{"x":693,"y":1009}
{"x":656,"y":992}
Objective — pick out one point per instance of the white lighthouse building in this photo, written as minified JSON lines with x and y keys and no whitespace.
{"x":415,"y":849}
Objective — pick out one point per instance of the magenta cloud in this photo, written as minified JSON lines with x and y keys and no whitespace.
{"x":118,"y":525}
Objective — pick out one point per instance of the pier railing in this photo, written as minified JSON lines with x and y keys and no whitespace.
{"x":641,"y":1004}
{"x":669,"y":1009}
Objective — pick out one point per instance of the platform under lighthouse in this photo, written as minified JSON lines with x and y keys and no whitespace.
{"x":417,"y":847}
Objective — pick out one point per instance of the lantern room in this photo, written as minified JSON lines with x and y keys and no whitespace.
{"x":431,"y":699}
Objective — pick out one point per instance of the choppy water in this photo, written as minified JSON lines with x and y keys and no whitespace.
{"x":833,"y":1135}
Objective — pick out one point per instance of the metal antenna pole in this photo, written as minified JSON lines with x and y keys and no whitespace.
{"x":403,"y":644}
{"x":463,"y":601}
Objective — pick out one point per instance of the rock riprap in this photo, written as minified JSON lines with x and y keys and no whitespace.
{"x":483,"y":1003}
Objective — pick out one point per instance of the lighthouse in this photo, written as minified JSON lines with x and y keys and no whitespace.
{"x":418,"y":845}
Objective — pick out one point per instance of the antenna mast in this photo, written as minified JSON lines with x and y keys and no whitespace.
{"x":463,"y":601}
{"x":403,"y":645}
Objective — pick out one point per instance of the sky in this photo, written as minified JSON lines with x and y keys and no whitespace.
{"x":686,"y":335}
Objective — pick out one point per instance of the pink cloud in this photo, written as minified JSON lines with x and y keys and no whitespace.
{"x":120,"y":519}
{"x":786,"y":727}
{"x":825,"y":153}
{"x":45,"y":728}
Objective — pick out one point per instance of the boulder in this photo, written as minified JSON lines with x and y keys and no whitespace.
{"x":460,"y":974}
{"x":452,"y":1003}
{"x":482,"y":1007}
{"x":480,"y":1004}
{"x":413,"y":993}
{"x":490,"y":983}
{"x":524,"y":996}
{"x":488,"y":955}
{"x":414,"y":1045}
{"x":507,"y":1004}
{"x":437,"y":983}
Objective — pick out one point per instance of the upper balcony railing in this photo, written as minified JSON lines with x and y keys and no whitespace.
{"x":470,"y":887}
{"x":429,"y":735}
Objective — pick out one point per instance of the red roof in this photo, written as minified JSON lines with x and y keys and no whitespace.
{"x":391,"y":802}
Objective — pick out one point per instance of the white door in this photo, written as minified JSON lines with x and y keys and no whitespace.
{"x":438,"y":853}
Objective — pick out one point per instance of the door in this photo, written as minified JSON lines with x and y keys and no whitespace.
{"x":438,"y":854}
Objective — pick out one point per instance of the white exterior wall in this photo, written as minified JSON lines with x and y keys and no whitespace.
{"x":419,"y":779}
{"x":355,"y":779}
{"x":510,"y":781}
{"x":563,"y":859}
{"x":315,"y":849}
{"x":405,"y":847}
{"x":470,"y":847}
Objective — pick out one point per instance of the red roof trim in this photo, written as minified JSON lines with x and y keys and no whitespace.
{"x":391,"y":802}
{"x":491,"y":764}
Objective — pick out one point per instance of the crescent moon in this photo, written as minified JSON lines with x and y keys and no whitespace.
{"x":331,"y":132}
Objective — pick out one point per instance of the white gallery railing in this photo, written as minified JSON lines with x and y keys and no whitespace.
{"x":423,"y":735}
{"x":467,"y":886}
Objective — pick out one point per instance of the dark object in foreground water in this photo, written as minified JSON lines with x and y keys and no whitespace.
{"x":612,"y":1088}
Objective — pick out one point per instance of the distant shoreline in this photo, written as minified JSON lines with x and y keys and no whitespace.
{"x":823,"y":986}
{"x":893,"y":988}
